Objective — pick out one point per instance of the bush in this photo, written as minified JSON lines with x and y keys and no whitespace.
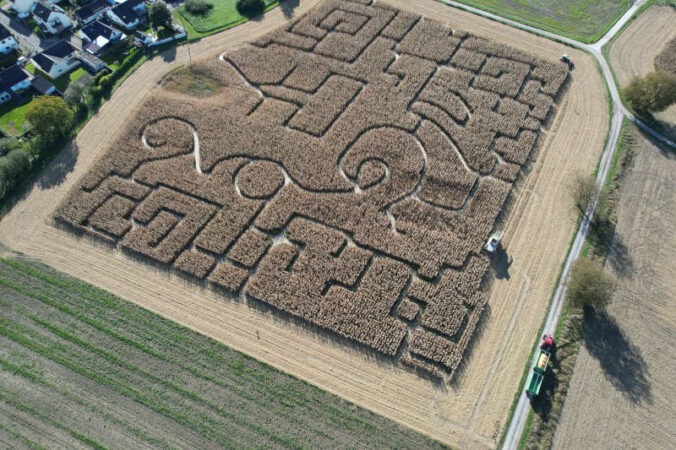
{"x":12,"y":166}
{"x":589,"y":284}
{"x":198,"y":7}
{"x":250,"y":7}
{"x":652,"y":93}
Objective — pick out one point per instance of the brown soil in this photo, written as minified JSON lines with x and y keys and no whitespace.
{"x":468,"y":414}
{"x":621,"y":393}
{"x":633,"y":52}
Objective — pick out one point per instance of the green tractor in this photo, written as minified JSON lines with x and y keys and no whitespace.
{"x":537,"y":375}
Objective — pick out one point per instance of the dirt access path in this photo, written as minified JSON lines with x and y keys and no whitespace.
{"x":468,"y":414}
{"x":621,"y":393}
{"x":633,"y":52}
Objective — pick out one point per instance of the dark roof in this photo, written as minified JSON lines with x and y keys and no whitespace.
{"x":59,"y":50}
{"x":42,"y":11}
{"x":11,"y":76}
{"x":125,"y":11}
{"x":45,"y":59}
{"x":4,"y":32}
{"x":92,"y":8}
{"x":41,"y":85}
{"x":96,"y":29}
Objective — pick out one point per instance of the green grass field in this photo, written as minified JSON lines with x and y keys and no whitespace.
{"x":82,"y":368}
{"x":223,"y":15}
{"x":584,"y":20}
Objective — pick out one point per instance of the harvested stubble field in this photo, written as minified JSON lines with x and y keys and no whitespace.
{"x":634,"y":52}
{"x":622,"y":393}
{"x":82,"y":368}
{"x":373,"y":148}
{"x":471,"y":411}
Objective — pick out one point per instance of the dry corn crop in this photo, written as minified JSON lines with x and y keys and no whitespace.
{"x":347,"y":170}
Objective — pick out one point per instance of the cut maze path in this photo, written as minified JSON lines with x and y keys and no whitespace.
{"x":472,"y":412}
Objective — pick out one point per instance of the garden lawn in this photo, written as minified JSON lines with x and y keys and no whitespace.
{"x":223,"y":15}
{"x":14,"y":121}
{"x":584,"y":20}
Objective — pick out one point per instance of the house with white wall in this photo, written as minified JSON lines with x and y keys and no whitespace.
{"x":12,"y":80}
{"x":129,"y":14}
{"x":24,"y":8}
{"x":51,"y":18}
{"x":91,"y":11}
{"x":57,"y":60}
{"x":7,"y":42}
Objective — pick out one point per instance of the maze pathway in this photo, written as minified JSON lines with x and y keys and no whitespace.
{"x":346,"y":171}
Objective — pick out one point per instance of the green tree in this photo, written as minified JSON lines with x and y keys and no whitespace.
{"x":12,"y":168}
{"x":197,"y":7}
{"x":589,"y":284}
{"x":50,"y":116}
{"x":250,"y":8}
{"x":585,"y":190}
{"x":76,"y":92}
{"x":159,"y":15}
{"x":652,"y":93}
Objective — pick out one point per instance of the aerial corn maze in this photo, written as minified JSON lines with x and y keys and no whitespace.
{"x":344,"y":170}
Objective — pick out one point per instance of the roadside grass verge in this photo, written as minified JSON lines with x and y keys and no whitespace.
{"x":103,"y":357}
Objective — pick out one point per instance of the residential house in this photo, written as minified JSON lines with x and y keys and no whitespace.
{"x":42,"y":86}
{"x":24,"y":8}
{"x":57,"y":60}
{"x":91,"y":11}
{"x":51,"y":18}
{"x":13,"y":80}
{"x":128,"y":14}
{"x":97,"y":35}
{"x":7,"y":42}
{"x":142,"y":39}
{"x":90,"y":60}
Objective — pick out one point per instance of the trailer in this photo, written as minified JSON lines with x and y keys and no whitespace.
{"x":537,"y":374}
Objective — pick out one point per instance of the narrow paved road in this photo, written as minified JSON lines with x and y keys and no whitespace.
{"x":517,"y":424}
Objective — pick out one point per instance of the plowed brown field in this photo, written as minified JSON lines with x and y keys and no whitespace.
{"x":472,"y":411}
{"x":621,"y":393}
{"x":633,"y":52}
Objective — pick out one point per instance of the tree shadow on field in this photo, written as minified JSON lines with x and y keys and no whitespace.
{"x":621,"y":361}
{"x":60,"y":167}
{"x":169,"y":54}
{"x":288,"y":7}
{"x":500,"y":263}
{"x":617,"y":255}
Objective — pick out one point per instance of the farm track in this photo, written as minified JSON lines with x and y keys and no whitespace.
{"x":625,"y":365}
{"x":472,"y":412}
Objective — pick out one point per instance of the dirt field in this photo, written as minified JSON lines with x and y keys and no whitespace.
{"x":633,"y":52}
{"x":621,"y":393}
{"x":472,"y":411}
